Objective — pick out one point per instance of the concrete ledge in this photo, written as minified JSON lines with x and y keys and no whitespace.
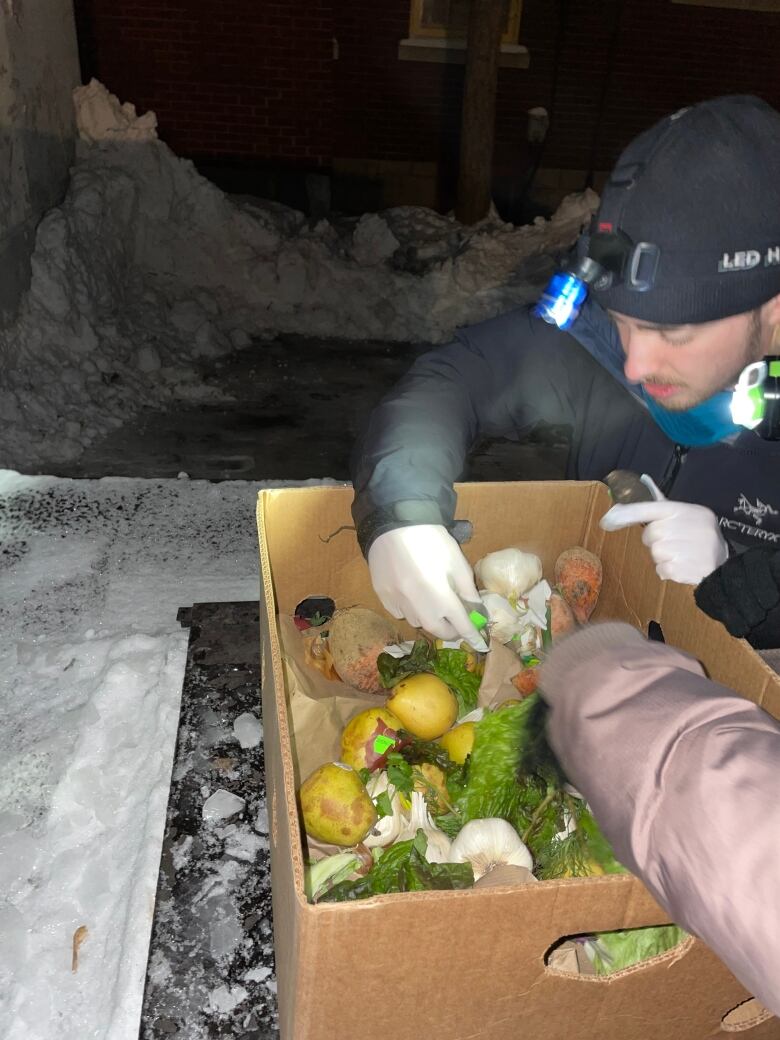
{"x":453,"y":52}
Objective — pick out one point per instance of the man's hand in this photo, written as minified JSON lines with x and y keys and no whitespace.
{"x":684,"y":539}
{"x":419,"y":573}
{"x":744,"y":595}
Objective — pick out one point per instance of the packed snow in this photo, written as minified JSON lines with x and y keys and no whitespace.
{"x":92,"y":576}
{"x":147,"y":266}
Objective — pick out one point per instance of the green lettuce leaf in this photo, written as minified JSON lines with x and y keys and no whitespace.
{"x":492,"y":787}
{"x":613,"y":951}
{"x":327,"y":872}
{"x":450,"y":666}
{"x":419,"y":659}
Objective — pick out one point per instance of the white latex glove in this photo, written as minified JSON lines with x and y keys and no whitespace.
{"x":684,"y":539}
{"x":419,"y":573}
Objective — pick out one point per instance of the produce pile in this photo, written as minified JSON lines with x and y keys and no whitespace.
{"x":440,"y":786}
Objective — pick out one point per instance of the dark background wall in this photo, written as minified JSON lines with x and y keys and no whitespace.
{"x":258,"y":84}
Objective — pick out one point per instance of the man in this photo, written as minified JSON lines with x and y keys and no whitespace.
{"x":683,"y":306}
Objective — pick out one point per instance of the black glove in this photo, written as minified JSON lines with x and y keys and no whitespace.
{"x":744,"y":594}
{"x":537,"y":757}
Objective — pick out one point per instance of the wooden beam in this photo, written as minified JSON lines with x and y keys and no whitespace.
{"x":487,"y":19}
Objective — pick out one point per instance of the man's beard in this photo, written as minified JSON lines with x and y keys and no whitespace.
{"x":753,"y":350}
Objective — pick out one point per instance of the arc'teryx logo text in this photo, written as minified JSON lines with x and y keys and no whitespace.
{"x":756,"y":512}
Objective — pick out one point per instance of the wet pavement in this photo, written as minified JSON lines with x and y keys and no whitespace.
{"x":211,"y":961}
{"x":290,"y":409}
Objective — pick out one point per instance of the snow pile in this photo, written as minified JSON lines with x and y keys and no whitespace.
{"x":91,"y":668}
{"x":100,"y":116}
{"x":147,"y":267}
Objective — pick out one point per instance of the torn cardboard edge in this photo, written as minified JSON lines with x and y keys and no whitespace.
{"x":570,"y":958}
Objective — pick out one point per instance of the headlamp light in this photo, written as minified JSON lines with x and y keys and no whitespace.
{"x":755,"y":401}
{"x":607,"y":258}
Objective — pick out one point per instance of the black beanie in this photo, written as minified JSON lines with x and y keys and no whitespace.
{"x":703,"y":185}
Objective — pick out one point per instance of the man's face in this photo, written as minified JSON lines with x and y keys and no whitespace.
{"x":680,"y":366}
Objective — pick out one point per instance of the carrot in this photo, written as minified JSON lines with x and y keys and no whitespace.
{"x":562,"y":619}
{"x":356,"y":637}
{"x":578,"y":576}
{"x":526,"y":680}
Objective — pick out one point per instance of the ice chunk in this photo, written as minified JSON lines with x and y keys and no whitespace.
{"x":243,"y":845}
{"x":225,"y":933}
{"x":248,"y":730}
{"x":180,"y":852}
{"x":221,"y":805}
{"x":225,"y":998}
{"x":261,"y":823}
{"x":257,"y":974}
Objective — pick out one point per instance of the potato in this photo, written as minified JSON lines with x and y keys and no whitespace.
{"x":356,"y":637}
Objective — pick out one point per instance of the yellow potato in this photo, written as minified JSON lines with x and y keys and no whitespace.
{"x":336,"y":806}
{"x":425,"y":705}
{"x":459,"y":741}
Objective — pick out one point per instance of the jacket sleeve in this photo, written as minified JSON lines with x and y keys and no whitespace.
{"x":744,"y":595}
{"x":498,"y":379}
{"x":681,"y":774}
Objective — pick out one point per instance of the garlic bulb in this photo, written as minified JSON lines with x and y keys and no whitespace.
{"x":438,"y":849}
{"x":386,"y":830}
{"x":504,"y":622}
{"x":489,"y":843}
{"x":536,"y":603}
{"x":509,"y":572}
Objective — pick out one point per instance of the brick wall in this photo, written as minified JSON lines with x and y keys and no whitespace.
{"x":667,"y":55}
{"x":241,"y":78}
{"x":256,"y":80}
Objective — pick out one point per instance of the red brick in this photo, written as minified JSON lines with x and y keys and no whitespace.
{"x":259,"y":79}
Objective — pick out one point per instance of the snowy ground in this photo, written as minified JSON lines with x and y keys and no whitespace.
{"x":92,"y":574}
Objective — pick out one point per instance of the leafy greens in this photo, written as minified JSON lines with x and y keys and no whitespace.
{"x":403,"y":868}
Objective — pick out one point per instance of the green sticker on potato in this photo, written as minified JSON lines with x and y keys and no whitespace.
{"x":383,"y":743}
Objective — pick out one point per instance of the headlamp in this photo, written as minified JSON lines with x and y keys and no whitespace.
{"x":607,"y":258}
{"x":755,"y":401}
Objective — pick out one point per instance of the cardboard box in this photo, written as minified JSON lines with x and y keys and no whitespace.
{"x":471,"y":964}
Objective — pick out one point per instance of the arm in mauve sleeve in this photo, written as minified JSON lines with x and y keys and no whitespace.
{"x":682,"y":776}
{"x":498,"y":379}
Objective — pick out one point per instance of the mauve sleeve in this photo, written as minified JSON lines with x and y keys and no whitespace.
{"x":683,"y":776}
